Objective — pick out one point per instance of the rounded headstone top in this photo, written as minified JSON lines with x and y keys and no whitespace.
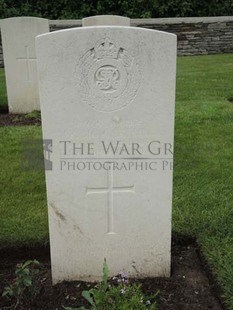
{"x":106,"y":20}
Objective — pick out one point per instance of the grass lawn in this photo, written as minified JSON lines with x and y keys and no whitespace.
{"x":203,"y":178}
{"x":23,"y":218}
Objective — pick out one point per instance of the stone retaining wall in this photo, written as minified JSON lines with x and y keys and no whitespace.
{"x":196,"y":35}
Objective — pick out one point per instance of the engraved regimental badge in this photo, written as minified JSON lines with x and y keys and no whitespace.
{"x":109,"y":76}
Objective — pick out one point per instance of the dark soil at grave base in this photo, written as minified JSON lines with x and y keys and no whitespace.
{"x":189,"y":288}
{"x":17,"y":120}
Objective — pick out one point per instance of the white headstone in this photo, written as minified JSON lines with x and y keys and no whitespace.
{"x":18,"y":40}
{"x":106,"y":20}
{"x":107,"y":99}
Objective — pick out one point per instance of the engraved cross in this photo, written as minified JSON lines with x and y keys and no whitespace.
{"x":28,"y":59}
{"x":110,"y":189}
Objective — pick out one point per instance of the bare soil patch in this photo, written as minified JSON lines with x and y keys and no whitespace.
{"x":18,"y":120}
{"x":190,"y":286}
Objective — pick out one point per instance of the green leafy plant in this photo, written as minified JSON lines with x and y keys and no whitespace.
{"x":36,"y":115}
{"x":116,"y":294}
{"x":24,"y":281}
{"x":71,"y":9}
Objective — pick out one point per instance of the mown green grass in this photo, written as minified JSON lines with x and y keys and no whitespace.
{"x":203,"y":178}
{"x":23,"y":211}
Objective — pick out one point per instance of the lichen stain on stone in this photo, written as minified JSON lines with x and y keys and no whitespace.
{"x":63,"y":218}
{"x":76,"y":227}
{"x":58,"y":213}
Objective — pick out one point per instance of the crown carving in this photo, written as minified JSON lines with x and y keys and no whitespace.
{"x":106,"y":49}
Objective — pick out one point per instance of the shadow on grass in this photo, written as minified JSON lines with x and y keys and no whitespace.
{"x":4,"y":109}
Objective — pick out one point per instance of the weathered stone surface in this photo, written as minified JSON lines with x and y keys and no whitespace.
{"x":102,"y":85}
{"x":106,"y":20}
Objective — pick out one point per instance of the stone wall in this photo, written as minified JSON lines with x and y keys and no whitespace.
{"x":196,"y":35}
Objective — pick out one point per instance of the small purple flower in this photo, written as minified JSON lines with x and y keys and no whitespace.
{"x":122,"y":291}
{"x":123,"y":275}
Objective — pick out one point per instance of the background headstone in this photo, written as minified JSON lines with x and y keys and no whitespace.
{"x":18,"y":39}
{"x":107,"y":100}
{"x":106,"y":20}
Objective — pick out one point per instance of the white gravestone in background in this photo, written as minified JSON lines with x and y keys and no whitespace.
{"x":107,"y":101}
{"x":106,"y":20}
{"x":18,"y":40}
